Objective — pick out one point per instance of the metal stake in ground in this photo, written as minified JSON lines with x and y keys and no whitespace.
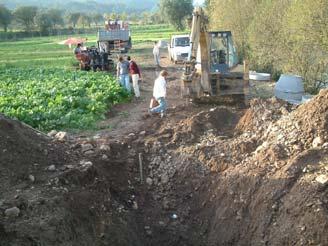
{"x":140,"y":167}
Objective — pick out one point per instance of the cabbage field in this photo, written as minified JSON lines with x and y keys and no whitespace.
{"x":53,"y":98}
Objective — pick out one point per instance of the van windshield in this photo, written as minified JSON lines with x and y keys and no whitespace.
{"x":181,"y":41}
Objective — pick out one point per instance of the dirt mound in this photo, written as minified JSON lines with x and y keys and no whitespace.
{"x":312,"y":117}
{"x":24,"y":151}
{"x":266,"y":184}
{"x":261,"y":114}
{"x":56,"y":193}
{"x":190,"y":129}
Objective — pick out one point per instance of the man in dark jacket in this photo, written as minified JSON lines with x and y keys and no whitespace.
{"x":135,"y":74}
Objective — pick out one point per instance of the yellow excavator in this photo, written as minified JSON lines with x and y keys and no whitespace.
{"x":212,"y":71}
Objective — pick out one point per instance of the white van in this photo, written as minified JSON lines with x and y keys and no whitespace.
{"x":179,"y":48}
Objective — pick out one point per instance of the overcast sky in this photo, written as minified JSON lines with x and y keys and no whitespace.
{"x":198,"y":2}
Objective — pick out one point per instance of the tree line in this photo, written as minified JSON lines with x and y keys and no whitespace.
{"x":45,"y":21}
{"x":278,"y":36}
{"x":32,"y":18}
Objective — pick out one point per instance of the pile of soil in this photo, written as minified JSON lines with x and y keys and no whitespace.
{"x":211,"y":176}
{"x":265,"y":184}
{"x":54,"y":193}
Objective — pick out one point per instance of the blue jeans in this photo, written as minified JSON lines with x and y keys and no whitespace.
{"x":125,"y":82}
{"x":157,"y":58}
{"x":161,"y":107}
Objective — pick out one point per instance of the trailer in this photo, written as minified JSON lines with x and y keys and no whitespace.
{"x":115,"y":38}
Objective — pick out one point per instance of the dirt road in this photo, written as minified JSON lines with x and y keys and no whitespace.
{"x":129,"y":117}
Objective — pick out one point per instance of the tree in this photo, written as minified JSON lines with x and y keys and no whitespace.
{"x":111,"y":16}
{"x":97,"y":18}
{"x":236,"y":16}
{"x":145,"y":16}
{"x":43,"y":22}
{"x":25,"y":16}
{"x":55,"y":16}
{"x":5,"y":17}
{"x":84,"y":20}
{"x":123,"y":16}
{"x":156,"y":18}
{"x":305,"y":36}
{"x":73,"y":18}
{"x":134,"y":17}
{"x":175,"y":11}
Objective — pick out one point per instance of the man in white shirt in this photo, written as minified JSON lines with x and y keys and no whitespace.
{"x":156,"y":54}
{"x":159,"y":93}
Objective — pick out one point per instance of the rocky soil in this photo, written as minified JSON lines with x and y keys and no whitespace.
{"x":211,"y":175}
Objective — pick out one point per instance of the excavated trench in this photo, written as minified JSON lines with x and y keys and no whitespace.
{"x":212,"y":176}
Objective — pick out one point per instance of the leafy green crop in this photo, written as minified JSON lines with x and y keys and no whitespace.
{"x":56,"y":98}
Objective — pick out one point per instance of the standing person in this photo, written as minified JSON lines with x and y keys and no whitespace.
{"x":159,"y":93}
{"x":123,"y":73}
{"x":156,"y":54}
{"x":135,"y":74}
{"x":78,"y":49}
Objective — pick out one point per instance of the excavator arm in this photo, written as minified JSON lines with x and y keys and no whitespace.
{"x":199,"y":49}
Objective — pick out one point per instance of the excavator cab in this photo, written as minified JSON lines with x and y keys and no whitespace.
{"x":222,"y":52}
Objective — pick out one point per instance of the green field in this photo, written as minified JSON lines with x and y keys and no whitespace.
{"x":46,"y":52}
{"x":54,"y":98}
{"x":40,"y":85}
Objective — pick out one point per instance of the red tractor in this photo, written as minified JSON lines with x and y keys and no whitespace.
{"x":91,"y":58}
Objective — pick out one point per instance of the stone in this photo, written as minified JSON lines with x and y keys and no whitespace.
{"x":317,"y":142}
{"x":62,"y":136}
{"x":166,"y":204}
{"x":12,"y":212}
{"x":322,"y":179}
{"x":149,"y":232}
{"x":89,"y":152}
{"x":142,"y":133}
{"x":135,"y":205}
{"x":131,"y":134}
{"x":86,"y":163}
{"x":104,"y":157}
{"x":52,"y":168}
{"x":104,"y":147}
{"x":86,"y":147}
{"x":52,"y":133}
{"x":31,"y":178}
{"x":164,"y":178}
{"x":161,"y":223}
{"x":274,"y":207}
{"x":149,"y":181}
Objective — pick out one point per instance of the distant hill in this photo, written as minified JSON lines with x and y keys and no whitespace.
{"x":99,"y":6}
